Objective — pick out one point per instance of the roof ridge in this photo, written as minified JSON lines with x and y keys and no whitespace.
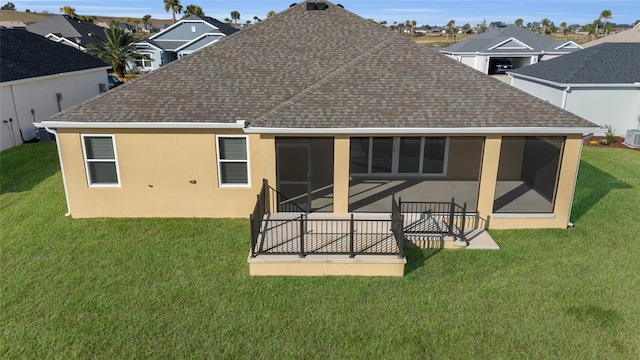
{"x":326,"y":79}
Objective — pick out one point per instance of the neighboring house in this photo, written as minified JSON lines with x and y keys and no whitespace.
{"x":33,"y":71}
{"x":330,"y":110}
{"x":182,"y":38}
{"x":69,"y":31}
{"x":600,"y":83}
{"x":627,"y":36}
{"x":513,"y":44}
{"x":12,"y":25}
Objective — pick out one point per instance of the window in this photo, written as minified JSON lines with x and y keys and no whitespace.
{"x":193,"y":28}
{"x":398,"y":155}
{"x":100,"y":159}
{"x":143,"y":63}
{"x":233,"y":160}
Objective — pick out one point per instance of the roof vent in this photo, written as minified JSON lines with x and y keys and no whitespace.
{"x":317,"y":6}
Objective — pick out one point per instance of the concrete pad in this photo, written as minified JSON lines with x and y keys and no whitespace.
{"x":481,"y":240}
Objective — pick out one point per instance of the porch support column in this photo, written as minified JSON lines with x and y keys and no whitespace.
{"x":341,"y":148}
{"x":489,"y":175}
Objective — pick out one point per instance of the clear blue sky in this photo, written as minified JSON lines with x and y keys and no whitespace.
{"x":431,"y":12}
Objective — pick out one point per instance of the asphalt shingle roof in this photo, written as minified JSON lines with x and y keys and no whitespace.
{"x":607,"y":63}
{"x":26,"y":55}
{"x":483,"y":42}
{"x":321,"y":69}
{"x":87,"y":32}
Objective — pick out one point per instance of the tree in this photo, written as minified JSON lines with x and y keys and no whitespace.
{"x":606,"y":15}
{"x":545,"y":24}
{"x":565,"y":29}
{"x":227,"y":21}
{"x":413,"y":27}
{"x":192,"y":10}
{"x":519,"y":22}
{"x":466,"y":28}
{"x":235,"y":16}
{"x":483,"y":25}
{"x":256,"y":19}
{"x":271,"y":13}
{"x":596,"y":27}
{"x":9,"y":6}
{"x":451,"y":27}
{"x":146,"y":20}
{"x":173,"y":6}
{"x":118,"y":49}
{"x":69,"y":11}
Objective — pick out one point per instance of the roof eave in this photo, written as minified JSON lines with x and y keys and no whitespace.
{"x":573,"y":85}
{"x":427,"y":130}
{"x":239,"y":124}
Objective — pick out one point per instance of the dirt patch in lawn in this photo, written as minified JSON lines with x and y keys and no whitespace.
{"x":599,"y":143}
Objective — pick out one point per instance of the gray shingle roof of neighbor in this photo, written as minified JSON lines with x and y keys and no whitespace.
{"x":25,"y":55}
{"x":483,"y":42}
{"x":608,"y":63}
{"x":70,"y":28}
{"x":321,"y":69}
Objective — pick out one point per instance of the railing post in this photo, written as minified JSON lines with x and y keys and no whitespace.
{"x":302,"y":254}
{"x":464,"y":219}
{"x":351,"y":252}
{"x":253,"y":236}
{"x":265,"y":188}
{"x":451,"y":211}
{"x":401,"y":241}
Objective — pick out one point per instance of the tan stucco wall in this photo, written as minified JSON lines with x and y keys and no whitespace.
{"x":155,"y":169}
{"x":342,"y":147}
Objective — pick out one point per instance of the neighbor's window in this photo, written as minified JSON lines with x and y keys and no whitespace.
{"x":233,"y":160}
{"x":398,"y":155}
{"x":100,"y":160}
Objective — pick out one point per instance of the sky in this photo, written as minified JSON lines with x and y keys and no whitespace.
{"x":425,"y":12}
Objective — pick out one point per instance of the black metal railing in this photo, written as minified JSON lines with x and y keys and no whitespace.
{"x":453,"y":215}
{"x":397,"y":224}
{"x":303,"y":236}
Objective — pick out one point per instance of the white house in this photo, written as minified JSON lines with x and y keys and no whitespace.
{"x":600,"y":84}
{"x":39,"y":78}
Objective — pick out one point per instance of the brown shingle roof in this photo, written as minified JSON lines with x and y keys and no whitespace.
{"x":321,"y":69}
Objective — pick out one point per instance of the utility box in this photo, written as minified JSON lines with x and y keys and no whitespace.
{"x":44,"y":135}
{"x":632,"y":139}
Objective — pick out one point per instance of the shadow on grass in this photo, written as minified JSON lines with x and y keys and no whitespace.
{"x":27,"y":165}
{"x":596,"y":314}
{"x":593,"y":185}
{"x":416,"y":258}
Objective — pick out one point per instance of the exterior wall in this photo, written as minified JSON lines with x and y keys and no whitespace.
{"x":468,"y":60}
{"x":155,"y":168}
{"x":205,"y":41}
{"x":182,"y":31}
{"x":619,"y":108}
{"x":39,"y":94}
{"x":545,"y":92}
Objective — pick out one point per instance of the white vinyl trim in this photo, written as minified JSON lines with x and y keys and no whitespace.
{"x":553,"y":83}
{"x":218,"y":35}
{"x":219,"y":161}
{"x":569,"y":43}
{"x":87,"y":161}
{"x":525,"y":46}
{"x":430,"y":131}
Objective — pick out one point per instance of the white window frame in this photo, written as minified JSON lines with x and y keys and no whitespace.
{"x":395,"y":158}
{"x":87,"y":161}
{"x":219,"y":161}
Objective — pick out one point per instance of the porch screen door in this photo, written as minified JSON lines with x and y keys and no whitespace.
{"x":294,"y":176}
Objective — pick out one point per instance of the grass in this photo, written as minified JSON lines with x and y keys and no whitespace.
{"x":175,"y":288}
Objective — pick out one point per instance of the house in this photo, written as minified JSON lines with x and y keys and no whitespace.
{"x":69,"y":31}
{"x":313,"y":111}
{"x":513,"y":44}
{"x":600,"y":84}
{"x":38,"y":78}
{"x":627,"y":36}
{"x":182,"y":38}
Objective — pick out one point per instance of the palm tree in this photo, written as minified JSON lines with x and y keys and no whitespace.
{"x":69,"y":11}
{"x":450,"y":28}
{"x":565,"y":30}
{"x":545,"y":24}
{"x":271,"y":13}
{"x":605,"y":14}
{"x":118,"y":49}
{"x":519,"y":22}
{"x":596,"y":26}
{"x":146,"y":20}
{"x":413,"y":27}
{"x":235,"y":16}
{"x":192,"y":10}
{"x":173,"y":6}
{"x":466,"y":28}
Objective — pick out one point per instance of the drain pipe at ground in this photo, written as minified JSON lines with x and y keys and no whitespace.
{"x":64,"y":179}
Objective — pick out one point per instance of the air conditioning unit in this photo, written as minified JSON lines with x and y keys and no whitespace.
{"x":632,"y":139}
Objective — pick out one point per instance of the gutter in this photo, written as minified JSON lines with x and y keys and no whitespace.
{"x":240,"y":124}
{"x":557,"y":84}
{"x":395,"y":130}
{"x":64,"y":178}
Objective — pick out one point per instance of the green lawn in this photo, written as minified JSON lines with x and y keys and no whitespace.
{"x":176,"y":288}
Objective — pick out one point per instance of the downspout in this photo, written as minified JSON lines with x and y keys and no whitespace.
{"x":15,"y":109}
{"x":64,"y":178}
{"x":564,"y":97}
{"x":575,"y":180}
